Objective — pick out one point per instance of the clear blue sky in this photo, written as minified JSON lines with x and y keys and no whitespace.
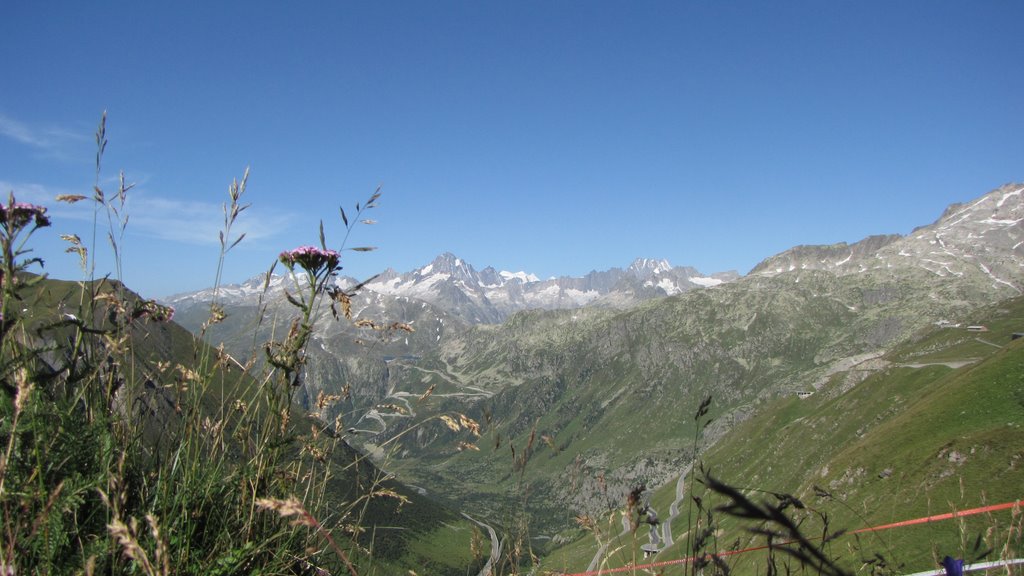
{"x":551,"y":137}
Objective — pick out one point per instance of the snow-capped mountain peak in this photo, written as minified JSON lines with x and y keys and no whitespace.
{"x":645,"y":267}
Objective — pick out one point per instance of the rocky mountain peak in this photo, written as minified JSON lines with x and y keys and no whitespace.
{"x":999,"y":209}
{"x":646,"y":267}
{"x":450,"y":264}
{"x":387,"y":274}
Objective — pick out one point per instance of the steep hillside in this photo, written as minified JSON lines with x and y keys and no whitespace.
{"x":933,"y":426}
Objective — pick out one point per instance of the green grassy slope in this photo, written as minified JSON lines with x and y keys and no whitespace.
{"x":912,"y":439}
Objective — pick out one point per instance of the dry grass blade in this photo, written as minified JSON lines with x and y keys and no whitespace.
{"x":289,"y":507}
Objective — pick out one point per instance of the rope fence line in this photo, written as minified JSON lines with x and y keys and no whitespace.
{"x":901,"y":524}
{"x":939,"y":517}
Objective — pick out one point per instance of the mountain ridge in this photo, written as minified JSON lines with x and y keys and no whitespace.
{"x":984,"y":235}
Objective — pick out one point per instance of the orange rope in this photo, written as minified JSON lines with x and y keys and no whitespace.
{"x":946,"y":516}
{"x":924,"y":520}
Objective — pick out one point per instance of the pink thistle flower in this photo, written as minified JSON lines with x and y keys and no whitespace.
{"x":19,"y":214}
{"x":311,"y":259}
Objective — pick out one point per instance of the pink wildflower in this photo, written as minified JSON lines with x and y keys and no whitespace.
{"x":19,"y":214}
{"x":311,"y":259}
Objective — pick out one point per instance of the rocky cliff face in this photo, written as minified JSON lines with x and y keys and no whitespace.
{"x":983,"y":238}
{"x":841,"y":257}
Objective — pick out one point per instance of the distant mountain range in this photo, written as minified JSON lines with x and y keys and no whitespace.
{"x":489,"y":296}
{"x":453,"y":285}
{"x":978,"y":240}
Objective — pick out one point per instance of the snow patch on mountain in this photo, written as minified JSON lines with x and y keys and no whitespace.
{"x":582,"y":297}
{"x":521,"y":276}
{"x":706,"y":281}
{"x":666,"y":284}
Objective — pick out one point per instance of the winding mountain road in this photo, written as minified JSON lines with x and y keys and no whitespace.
{"x":496,"y":546}
{"x":673,"y":509}
{"x":666,"y":526}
